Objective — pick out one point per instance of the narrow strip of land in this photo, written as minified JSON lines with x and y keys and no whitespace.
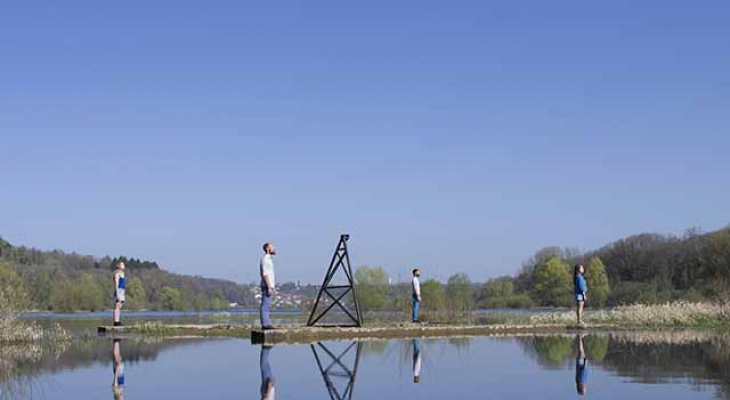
{"x":302,"y":334}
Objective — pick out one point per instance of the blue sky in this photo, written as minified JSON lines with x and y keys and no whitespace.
{"x":457,"y":138}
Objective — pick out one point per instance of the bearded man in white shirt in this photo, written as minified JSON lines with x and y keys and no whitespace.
{"x":268,"y":282}
{"x":416,"y":284}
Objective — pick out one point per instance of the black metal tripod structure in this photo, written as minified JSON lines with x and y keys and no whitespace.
{"x":340,"y":260}
{"x":338,"y":369}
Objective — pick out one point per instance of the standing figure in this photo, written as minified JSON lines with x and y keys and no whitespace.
{"x":118,"y":368}
{"x":119,"y":293}
{"x":268,"y":282}
{"x":416,"y":284}
{"x":416,"y":360}
{"x":581,"y":371}
{"x":268,"y":389}
{"x":580,"y":288}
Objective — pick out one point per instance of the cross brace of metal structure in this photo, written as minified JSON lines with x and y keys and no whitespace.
{"x":338,"y":369}
{"x":340,"y":260}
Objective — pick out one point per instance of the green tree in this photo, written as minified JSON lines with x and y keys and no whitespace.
{"x":553,"y":283}
{"x":498,"y":287}
{"x":433,"y":295}
{"x":460,"y":293}
{"x":41,"y":289}
{"x":371,"y":287}
{"x":217,"y":303}
{"x":597,"y":280}
{"x":136,"y":295}
{"x":171,"y":299}
{"x":201,"y":302}
{"x":13,"y":297}
{"x":61,"y":295}
{"x":86,"y":294}
{"x":719,"y":265}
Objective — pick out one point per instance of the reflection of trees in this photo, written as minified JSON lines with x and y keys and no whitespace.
{"x":19,"y":365}
{"x":376,"y":348}
{"x":549,"y":351}
{"x":647,"y":357}
{"x":16,"y":379}
{"x":596,"y":347}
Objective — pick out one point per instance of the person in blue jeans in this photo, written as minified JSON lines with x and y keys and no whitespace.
{"x":416,"y":360}
{"x":580,"y":289}
{"x":581,"y":368}
{"x":268,"y":389}
{"x":268,"y":284}
{"x":416,"y":285}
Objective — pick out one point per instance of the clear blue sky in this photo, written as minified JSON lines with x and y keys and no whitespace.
{"x":456,"y":136}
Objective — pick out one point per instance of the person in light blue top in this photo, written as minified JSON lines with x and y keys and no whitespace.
{"x":580,"y":288}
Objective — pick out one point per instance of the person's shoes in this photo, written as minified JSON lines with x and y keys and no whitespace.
{"x":417,"y":321}
{"x":117,"y":323}
{"x":268,"y":328}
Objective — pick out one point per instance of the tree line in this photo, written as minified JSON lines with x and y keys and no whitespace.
{"x":645,"y":268}
{"x":58,"y":281}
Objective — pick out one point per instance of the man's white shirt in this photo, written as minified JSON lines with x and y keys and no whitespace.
{"x":416,"y":286}
{"x":267,"y":268}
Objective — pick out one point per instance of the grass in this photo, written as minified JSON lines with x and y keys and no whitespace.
{"x":678,"y":314}
{"x":213,"y":330}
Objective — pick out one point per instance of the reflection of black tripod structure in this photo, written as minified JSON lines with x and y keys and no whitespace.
{"x":338,"y":369}
{"x":339,"y":260}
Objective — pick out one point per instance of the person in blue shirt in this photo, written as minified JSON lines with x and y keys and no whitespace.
{"x":118,"y":368}
{"x":120,"y":287}
{"x":581,"y":371}
{"x":580,"y":288}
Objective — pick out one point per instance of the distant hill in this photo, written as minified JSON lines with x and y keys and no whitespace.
{"x":650,"y":268}
{"x":59,"y":281}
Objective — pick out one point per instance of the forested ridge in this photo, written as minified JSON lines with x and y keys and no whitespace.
{"x":59,"y":281}
{"x":645,"y":268}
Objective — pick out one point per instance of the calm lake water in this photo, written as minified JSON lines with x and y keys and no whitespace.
{"x":634,"y":365}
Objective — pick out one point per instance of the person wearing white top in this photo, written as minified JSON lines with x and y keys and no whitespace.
{"x":416,"y":360}
{"x":416,"y":283}
{"x":268,"y":384}
{"x":268,"y":282}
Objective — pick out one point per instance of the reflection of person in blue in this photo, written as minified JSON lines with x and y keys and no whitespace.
{"x":268,"y":391}
{"x":118,"y":368}
{"x":581,"y":371}
{"x":416,"y":360}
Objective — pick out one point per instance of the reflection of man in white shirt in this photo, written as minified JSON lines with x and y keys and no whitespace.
{"x":268,"y":384}
{"x":268,"y":282}
{"x":416,"y":360}
{"x":416,"y":283}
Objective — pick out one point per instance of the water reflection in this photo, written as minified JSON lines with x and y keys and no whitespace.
{"x":268,"y":384}
{"x":416,"y":360}
{"x":337,"y":368}
{"x":685,"y":360}
{"x":581,"y":367}
{"x":118,"y":368}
